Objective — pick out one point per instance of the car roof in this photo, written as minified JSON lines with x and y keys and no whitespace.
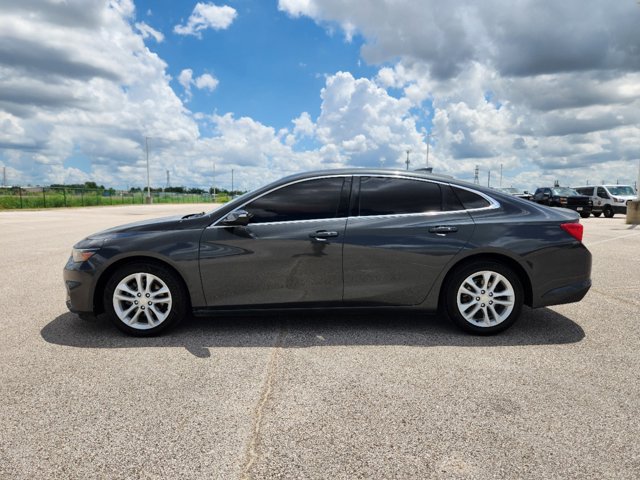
{"x":383,"y":171}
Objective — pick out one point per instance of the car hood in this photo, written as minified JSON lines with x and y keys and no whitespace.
{"x":174,"y":222}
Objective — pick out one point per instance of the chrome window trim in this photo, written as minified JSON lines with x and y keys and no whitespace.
{"x":493,"y":203}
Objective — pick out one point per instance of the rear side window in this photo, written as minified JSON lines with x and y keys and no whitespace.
{"x":394,"y":196}
{"x":308,"y":200}
{"x":469,"y":199}
{"x":585,"y":190}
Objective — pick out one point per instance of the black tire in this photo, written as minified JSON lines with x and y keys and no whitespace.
{"x":597,"y":214}
{"x":454,"y":284}
{"x":585,"y":214}
{"x":608,"y":211}
{"x":173,"y":307}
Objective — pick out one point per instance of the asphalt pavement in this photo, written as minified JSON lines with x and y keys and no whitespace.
{"x":324,"y":395}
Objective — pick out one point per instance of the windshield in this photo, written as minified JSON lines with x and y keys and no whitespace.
{"x":566,"y":192}
{"x":621,"y":190}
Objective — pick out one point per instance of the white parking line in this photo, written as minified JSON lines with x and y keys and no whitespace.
{"x":612,"y":239}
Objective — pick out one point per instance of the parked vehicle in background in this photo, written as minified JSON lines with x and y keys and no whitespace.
{"x":515,"y":192}
{"x":564,"y":197}
{"x":608,"y":199}
{"x":336,"y":239}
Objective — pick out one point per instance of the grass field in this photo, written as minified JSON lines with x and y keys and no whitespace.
{"x":58,"y":198}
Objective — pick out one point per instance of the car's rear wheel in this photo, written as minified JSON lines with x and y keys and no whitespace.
{"x":484,"y":297}
{"x":597,"y":214}
{"x":608,"y":211}
{"x":585,"y":214}
{"x":144,"y":299}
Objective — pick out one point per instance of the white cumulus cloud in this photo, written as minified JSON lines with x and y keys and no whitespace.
{"x":207,"y":15}
{"x":206,"y":81}
{"x":147,"y":31}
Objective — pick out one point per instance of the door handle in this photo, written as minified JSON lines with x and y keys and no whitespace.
{"x":443,"y":229}
{"x":322,"y":235}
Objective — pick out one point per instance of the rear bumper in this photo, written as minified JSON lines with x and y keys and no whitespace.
{"x":573,"y":292}
{"x":579,"y":208}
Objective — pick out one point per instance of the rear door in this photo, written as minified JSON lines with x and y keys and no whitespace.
{"x":400,"y":235}
{"x":289,"y":253}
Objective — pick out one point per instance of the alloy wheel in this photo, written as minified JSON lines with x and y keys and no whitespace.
{"x":485,"y":298}
{"x":142,"y":300}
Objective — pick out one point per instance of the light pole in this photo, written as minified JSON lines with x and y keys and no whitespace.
{"x":232,"y":183}
{"x":407,"y":162}
{"x":214,"y":182}
{"x":146,"y":143}
{"x":429,"y":135}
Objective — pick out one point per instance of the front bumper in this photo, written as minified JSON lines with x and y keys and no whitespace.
{"x":79,"y":281}
{"x":620,"y":209}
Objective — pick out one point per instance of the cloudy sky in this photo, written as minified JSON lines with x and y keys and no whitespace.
{"x":548,"y":89}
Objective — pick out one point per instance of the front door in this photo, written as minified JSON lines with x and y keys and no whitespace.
{"x":290,"y":253}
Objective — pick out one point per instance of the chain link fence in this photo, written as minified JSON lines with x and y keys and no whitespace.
{"x":55,"y":197}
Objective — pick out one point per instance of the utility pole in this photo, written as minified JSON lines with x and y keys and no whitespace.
{"x":4,"y":176}
{"x":500,"y":175}
{"x":146,"y":142}
{"x":429,"y":135}
{"x":168,"y":179}
{"x":476,"y":179}
{"x":232,"y":182}
{"x":489,"y":179}
{"x":407,"y":162}
{"x":214,"y":182}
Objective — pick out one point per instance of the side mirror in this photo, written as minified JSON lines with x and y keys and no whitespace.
{"x":237,"y":218}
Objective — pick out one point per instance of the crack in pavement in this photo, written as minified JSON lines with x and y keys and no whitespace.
{"x":252,"y":446}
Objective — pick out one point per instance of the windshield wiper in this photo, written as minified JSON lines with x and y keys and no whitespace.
{"x":191,"y":215}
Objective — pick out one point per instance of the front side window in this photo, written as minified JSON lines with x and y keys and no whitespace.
{"x":602,"y":193}
{"x":306,"y":200}
{"x":396,"y":196}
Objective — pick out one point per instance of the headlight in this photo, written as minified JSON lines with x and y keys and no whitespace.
{"x":616,"y":199}
{"x":80,"y":255}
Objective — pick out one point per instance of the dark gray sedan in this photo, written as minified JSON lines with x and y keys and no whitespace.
{"x":337,"y":239}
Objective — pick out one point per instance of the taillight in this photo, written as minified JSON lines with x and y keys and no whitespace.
{"x":573,"y":229}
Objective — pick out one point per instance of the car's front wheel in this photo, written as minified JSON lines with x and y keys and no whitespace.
{"x":597,"y":214}
{"x":585,"y":214}
{"x":484,"y":297}
{"x":144,"y":299}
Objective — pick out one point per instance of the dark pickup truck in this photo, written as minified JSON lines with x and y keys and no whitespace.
{"x":564,"y":197}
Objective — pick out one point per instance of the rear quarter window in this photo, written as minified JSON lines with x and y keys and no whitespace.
{"x":469,"y":199}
